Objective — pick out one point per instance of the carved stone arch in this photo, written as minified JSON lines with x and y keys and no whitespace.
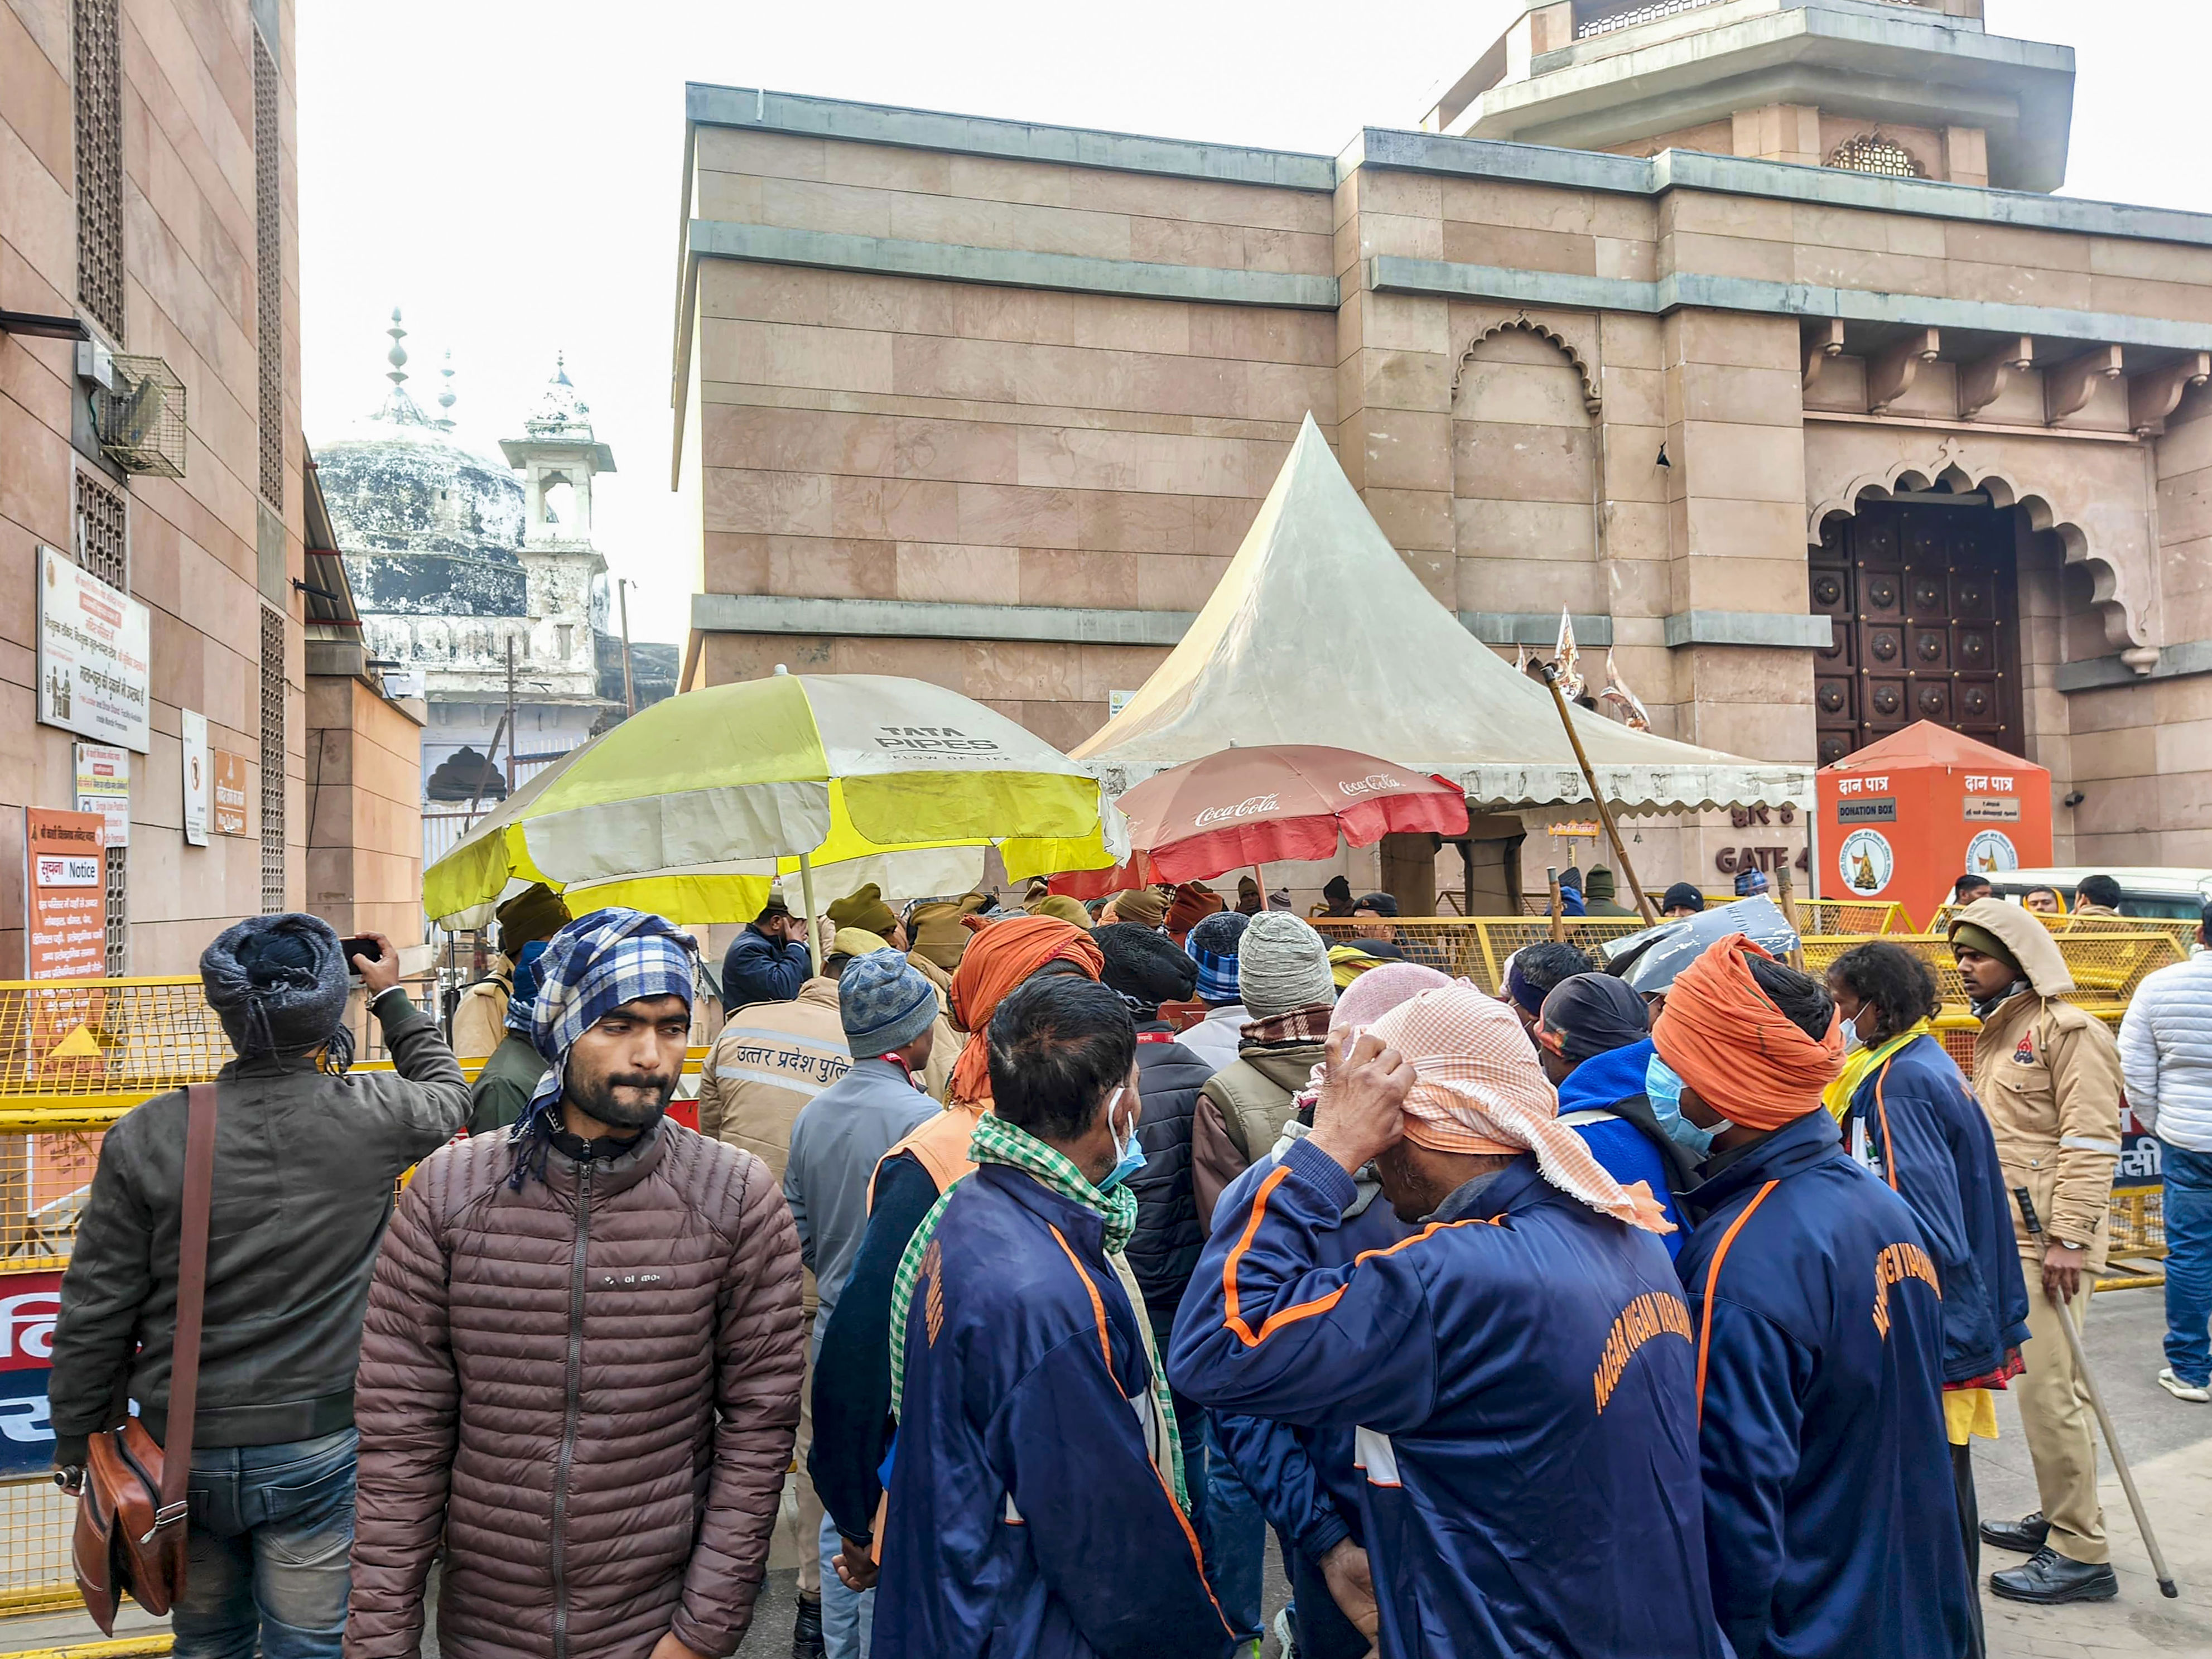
{"x":1557,"y":331}
{"x":2122,"y":598}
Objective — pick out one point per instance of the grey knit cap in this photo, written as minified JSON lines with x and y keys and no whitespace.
{"x":1283,"y":965}
{"x":883,"y":1003}
{"x":278,"y":984}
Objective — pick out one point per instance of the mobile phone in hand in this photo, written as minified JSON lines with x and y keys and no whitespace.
{"x":359,"y":945}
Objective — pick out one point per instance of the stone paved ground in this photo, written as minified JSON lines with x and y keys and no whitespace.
{"x":2170,"y":1445}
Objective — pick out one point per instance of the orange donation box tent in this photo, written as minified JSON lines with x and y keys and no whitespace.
{"x":1903,"y":818}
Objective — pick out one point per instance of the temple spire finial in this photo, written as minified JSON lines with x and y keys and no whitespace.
{"x":398,"y":355}
{"x":445,"y":398}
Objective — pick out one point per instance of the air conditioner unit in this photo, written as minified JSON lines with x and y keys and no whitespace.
{"x":141,"y":418}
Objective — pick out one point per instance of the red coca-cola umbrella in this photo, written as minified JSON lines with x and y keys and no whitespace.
{"x":1253,"y":807}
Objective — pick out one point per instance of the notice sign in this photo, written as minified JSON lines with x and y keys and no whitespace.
{"x":1992,"y":809}
{"x":229,"y":772}
{"x":66,"y":895}
{"x":93,"y":655}
{"x":103,"y":785}
{"x":193,"y":734}
{"x":29,"y":1304}
{"x":1883,"y":811}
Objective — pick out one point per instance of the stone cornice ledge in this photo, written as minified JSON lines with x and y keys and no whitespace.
{"x":884,"y":256}
{"x":2174,"y":662}
{"x":1773,"y":630}
{"x":1391,"y":274}
{"x":1533,"y":627}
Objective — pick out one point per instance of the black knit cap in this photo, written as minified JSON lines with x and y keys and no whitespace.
{"x":1146,"y":967}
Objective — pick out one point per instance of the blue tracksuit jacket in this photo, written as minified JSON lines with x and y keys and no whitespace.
{"x":1026,"y":1517}
{"x":1518,"y":1378}
{"x":1933,"y":1146}
{"x":1598,"y":1085}
{"x":1304,"y":1478}
{"x":1829,"y":1514}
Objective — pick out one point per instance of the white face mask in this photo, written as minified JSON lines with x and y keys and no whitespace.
{"x":1852,"y":1041}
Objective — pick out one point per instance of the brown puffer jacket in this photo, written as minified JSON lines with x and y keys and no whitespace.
{"x":585,"y":1391}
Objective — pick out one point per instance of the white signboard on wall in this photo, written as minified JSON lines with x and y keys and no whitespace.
{"x":94,"y":649}
{"x":194,"y":734}
{"x":103,"y":785}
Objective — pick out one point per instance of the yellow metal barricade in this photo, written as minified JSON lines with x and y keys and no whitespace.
{"x":1474,"y":948}
{"x":1853,"y":916}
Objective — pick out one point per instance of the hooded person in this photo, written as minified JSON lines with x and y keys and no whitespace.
{"x":1594,"y":1041}
{"x":1304,"y":1482}
{"x":306,"y":1154}
{"x":1037,"y":1489}
{"x":2048,"y":1076}
{"x":1517,"y":1374}
{"x":529,"y":918}
{"x":1907,"y":1114}
{"x":603,"y":1281}
{"x":1250,"y":900}
{"x":1336,"y":898}
{"x":1830,"y":1522}
{"x":852,"y":1374}
{"x":1285,"y":974}
{"x":1572,"y":899}
{"x":1214,"y":944}
{"x":1602,"y":896}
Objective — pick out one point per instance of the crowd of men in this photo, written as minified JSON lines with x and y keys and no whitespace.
{"x":1056,"y":1256}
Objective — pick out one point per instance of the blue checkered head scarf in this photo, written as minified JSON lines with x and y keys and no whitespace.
{"x":1214,"y":945}
{"x":591,"y":967}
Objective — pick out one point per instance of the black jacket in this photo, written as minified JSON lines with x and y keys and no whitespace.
{"x":306,"y":1167}
{"x":1165,"y":1248}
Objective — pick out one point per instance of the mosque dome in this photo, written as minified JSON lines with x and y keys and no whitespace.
{"x":427,"y":523}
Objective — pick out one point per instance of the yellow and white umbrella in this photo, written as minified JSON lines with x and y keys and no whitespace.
{"x":690,"y":807}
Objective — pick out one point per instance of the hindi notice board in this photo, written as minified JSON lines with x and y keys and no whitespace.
{"x":65,"y":891}
{"x":103,"y":785}
{"x":93,"y":651}
{"x":192,"y":738}
{"x":229,"y":772}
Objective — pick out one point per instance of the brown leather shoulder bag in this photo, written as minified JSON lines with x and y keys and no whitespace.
{"x":130,"y":1513}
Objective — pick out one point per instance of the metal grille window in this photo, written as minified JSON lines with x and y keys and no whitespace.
{"x":272,"y":761}
{"x":268,"y":274}
{"x":103,"y":543}
{"x":1872,"y":152}
{"x":118,"y":911}
{"x":99,"y":40}
{"x":1596,"y":17}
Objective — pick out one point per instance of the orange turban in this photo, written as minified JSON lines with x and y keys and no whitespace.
{"x":1478,"y":1089}
{"x":1747,"y":1058}
{"x":1194,"y":903}
{"x":1000,"y":956}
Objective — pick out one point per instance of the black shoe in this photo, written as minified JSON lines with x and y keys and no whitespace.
{"x":806,"y":1629}
{"x":2027,"y":1535}
{"x":2050,"y":1576}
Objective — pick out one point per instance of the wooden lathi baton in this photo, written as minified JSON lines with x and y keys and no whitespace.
{"x":1644,"y":907}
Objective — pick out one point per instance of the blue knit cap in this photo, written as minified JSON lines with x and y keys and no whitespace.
{"x":884,"y":1002}
{"x":1214,"y":945}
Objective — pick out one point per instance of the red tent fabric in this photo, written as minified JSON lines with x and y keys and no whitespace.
{"x":1247,"y":806}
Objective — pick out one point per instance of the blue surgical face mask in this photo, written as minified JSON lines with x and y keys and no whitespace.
{"x":1129,"y":1156}
{"x":1663,"y":1087}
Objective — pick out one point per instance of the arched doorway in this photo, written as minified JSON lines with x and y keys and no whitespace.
{"x":1924,"y":588}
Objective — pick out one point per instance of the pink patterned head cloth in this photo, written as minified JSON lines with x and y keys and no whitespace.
{"x":1479,"y":1089}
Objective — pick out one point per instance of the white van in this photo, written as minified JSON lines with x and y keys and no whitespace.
{"x":2178,"y":895}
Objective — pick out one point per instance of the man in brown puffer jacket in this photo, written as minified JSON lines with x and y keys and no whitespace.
{"x":580,"y":1371}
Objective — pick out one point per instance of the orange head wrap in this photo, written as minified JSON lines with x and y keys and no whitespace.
{"x":1000,"y":956}
{"x":1747,"y":1058}
{"x":1194,"y":903}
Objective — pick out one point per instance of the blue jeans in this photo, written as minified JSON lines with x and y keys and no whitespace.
{"x":2188,"y":1208}
{"x":267,"y":1556}
{"x":1236,"y":1536}
{"x":848,"y":1616}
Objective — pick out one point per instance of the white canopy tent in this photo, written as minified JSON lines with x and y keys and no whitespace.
{"x":1318,"y":634}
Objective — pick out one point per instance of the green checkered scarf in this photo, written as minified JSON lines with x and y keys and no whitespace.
{"x":997,"y":1141}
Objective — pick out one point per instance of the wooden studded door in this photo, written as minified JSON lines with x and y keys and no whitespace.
{"x":1927,"y":625}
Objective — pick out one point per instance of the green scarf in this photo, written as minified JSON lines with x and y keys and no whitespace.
{"x":997,"y":1141}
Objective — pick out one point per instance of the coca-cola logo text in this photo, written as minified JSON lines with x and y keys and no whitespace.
{"x":1251,"y":806}
{"x":1368,"y":785}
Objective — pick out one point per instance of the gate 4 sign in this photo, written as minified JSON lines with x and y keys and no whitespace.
{"x":1865,"y":862}
{"x":29,"y":1304}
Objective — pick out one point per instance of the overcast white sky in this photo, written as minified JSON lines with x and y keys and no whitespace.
{"x":507,"y":171}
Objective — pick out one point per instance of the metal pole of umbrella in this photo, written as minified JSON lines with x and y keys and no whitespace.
{"x":1644,"y":905}
{"x":806,"y":897}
